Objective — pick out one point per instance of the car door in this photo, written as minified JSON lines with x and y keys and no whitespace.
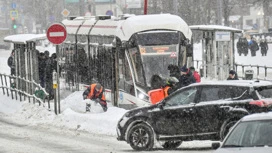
{"x":210,"y":108}
{"x":175,"y":117}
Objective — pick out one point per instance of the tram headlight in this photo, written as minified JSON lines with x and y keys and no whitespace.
{"x":143,"y":96}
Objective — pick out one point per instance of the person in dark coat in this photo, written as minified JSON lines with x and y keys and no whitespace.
{"x":186,"y":77}
{"x":264,"y":47}
{"x":42,"y":66}
{"x":51,"y":65}
{"x":156,"y":82}
{"x":242,"y":46}
{"x":11,"y":63}
{"x":174,"y":71}
{"x":232,"y":75}
{"x":253,"y":46}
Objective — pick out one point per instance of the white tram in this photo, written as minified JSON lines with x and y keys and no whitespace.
{"x":123,"y":53}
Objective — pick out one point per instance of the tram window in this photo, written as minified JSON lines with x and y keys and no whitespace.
{"x":137,"y":65}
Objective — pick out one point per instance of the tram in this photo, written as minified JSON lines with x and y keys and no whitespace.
{"x":123,"y":53}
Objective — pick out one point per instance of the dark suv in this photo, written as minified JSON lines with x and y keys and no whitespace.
{"x":201,"y":111}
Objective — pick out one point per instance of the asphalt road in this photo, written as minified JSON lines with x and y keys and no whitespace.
{"x":17,"y":137}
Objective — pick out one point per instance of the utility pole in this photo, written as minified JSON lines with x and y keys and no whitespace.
{"x":219,"y":12}
{"x":145,"y":7}
{"x":81,"y":7}
{"x":175,"y":6}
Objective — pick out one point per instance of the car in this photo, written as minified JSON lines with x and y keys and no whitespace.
{"x":252,"y":134}
{"x":200,"y":111}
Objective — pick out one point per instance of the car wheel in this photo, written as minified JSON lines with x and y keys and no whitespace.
{"x":225,"y":128}
{"x":141,"y":137}
{"x":171,"y":144}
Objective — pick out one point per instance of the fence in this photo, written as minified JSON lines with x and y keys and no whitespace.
{"x":263,"y":72}
{"x":259,"y":72}
{"x":16,"y":86}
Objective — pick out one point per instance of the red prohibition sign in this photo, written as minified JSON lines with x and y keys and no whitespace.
{"x":56,"y":33}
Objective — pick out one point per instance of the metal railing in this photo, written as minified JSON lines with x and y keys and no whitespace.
{"x":16,"y":86}
{"x":263,"y":72}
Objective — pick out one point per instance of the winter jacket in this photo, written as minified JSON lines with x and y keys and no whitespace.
{"x":197,"y":76}
{"x":93,"y":94}
{"x":254,"y":46}
{"x":264,"y":46}
{"x":186,"y":80}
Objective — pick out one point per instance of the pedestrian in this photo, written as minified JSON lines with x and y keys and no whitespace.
{"x":156,"y":94}
{"x":95,"y":92}
{"x":11,"y":62}
{"x":239,"y":46}
{"x":171,"y":86}
{"x":242,"y":46}
{"x":232,"y":75}
{"x":174,"y":70}
{"x":42,"y":66}
{"x":186,"y":77}
{"x":51,"y":65}
{"x":195,"y":74}
{"x":253,"y":46}
{"x":264,"y":47}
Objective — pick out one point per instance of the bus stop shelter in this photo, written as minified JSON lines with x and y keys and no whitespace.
{"x":218,"y":46}
{"x":26,"y":77}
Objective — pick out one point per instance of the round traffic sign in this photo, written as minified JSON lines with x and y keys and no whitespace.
{"x":56,"y":33}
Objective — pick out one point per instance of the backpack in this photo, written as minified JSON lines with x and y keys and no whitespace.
{"x":156,"y":95}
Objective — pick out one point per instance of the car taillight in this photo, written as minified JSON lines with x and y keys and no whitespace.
{"x":261,"y":103}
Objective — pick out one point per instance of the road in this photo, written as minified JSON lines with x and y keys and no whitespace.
{"x":16,"y":137}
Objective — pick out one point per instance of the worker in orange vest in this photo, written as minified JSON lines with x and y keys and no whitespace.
{"x":95,"y":92}
{"x":170,"y":86}
{"x":156,"y":95}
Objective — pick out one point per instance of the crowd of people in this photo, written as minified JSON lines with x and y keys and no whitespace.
{"x":179,"y":77}
{"x":243,"y":46}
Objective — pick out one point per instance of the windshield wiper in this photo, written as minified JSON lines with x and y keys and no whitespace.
{"x":230,"y":146}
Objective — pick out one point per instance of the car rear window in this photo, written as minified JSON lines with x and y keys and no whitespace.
{"x":251,"y":134}
{"x":264,"y":92}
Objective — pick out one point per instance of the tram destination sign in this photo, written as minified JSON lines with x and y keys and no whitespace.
{"x":56,"y":33}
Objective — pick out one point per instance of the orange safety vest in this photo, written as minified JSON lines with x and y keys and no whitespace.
{"x":157,"y":95}
{"x":165,"y":89}
{"x":91,"y":93}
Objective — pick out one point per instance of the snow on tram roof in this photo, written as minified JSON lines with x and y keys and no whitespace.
{"x":124,"y":29}
{"x":141,"y":23}
{"x":23,"y":38}
{"x":214,"y":28}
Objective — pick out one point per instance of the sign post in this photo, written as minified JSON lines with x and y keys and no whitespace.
{"x":56,"y":34}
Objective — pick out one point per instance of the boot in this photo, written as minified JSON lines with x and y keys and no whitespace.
{"x":88,"y":106}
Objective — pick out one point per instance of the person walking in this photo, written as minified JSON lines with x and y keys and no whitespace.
{"x":42,"y":66}
{"x":264,"y":47}
{"x":95,"y":92}
{"x":11,"y":62}
{"x":51,"y":65}
{"x":253,"y":46}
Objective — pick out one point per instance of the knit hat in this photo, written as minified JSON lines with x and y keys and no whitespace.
{"x":184,"y":69}
{"x":98,"y":86}
{"x":232,"y":72}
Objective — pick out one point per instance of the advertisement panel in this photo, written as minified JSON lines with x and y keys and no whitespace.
{"x":133,"y":3}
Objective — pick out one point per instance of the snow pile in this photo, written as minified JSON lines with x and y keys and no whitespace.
{"x":7,"y":105}
{"x":73,"y":114}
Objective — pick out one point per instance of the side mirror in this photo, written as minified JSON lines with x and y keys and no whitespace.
{"x":215,"y":145}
